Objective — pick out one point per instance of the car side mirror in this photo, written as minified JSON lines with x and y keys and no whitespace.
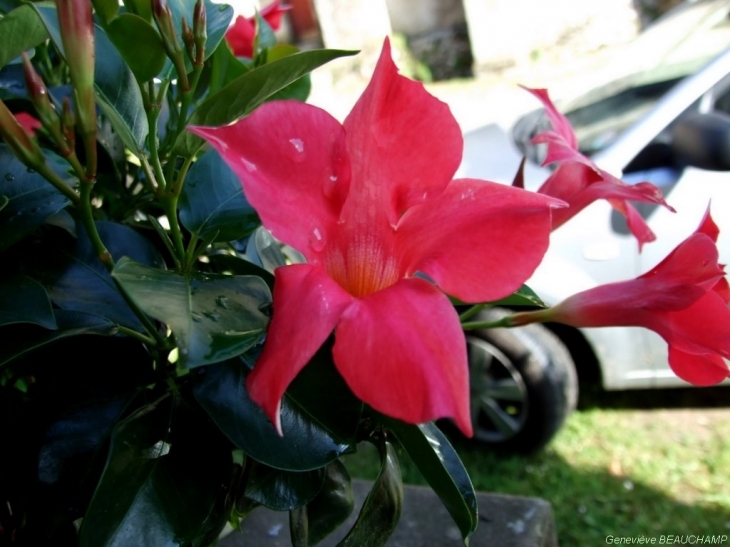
{"x":703,"y":140}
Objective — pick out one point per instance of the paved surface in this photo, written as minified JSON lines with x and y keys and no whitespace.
{"x":504,"y":521}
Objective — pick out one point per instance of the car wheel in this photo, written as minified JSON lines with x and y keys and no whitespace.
{"x":523,"y":385}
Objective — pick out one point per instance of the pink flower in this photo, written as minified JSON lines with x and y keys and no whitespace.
{"x":29,"y":123}
{"x":579,"y":182}
{"x":373,"y":207}
{"x":241,"y":35}
{"x":684,"y":299}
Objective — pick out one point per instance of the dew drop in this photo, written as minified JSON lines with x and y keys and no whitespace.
{"x":333,"y":178}
{"x":298,"y":144}
{"x":196,"y":317}
{"x":212,"y":316}
{"x":316,"y":241}
{"x":30,"y":170}
{"x":250,"y":167}
{"x":222,"y":301}
{"x":9,"y":177}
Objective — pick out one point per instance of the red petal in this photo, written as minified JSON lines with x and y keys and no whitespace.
{"x":405,"y":145}
{"x":479,"y":240}
{"x":699,"y":370}
{"x":307,"y":306}
{"x":402,"y":351}
{"x":295,"y":171}
{"x":240,"y":37}
{"x":560,"y":123}
{"x":29,"y":123}
{"x":273,"y":14}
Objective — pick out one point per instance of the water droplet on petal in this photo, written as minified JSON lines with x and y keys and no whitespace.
{"x":9,"y":177}
{"x":316,"y":241}
{"x":298,"y":144}
{"x":296,"y":152}
{"x":250,"y":167}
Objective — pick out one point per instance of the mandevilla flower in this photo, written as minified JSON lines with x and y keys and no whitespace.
{"x":372,"y":206}
{"x":241,"y":35}
{"x":684,"y":299}
{"x":579,"y":182}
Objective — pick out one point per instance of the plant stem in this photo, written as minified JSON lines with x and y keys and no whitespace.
{"x":475,"y":325}
{"x":51,"y":176}
{"x":138,"y":335}
{"x":471,"y":312}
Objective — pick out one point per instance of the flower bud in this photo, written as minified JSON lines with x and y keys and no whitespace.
{"x":200,"y":31}
{"x":77,"y":35}
{"x":68,"y":123}
{"x":24,"y":148}
{"x":163,"y":18}
{"x":46,"y":111}
{"x":188,"y":40}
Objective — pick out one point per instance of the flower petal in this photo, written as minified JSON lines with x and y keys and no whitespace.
{"x":240,"y":37}
{"x":699,"y":370}
{"x":479,"y":240}
{"x":404,"y":144}
{"x":273,"y":14}
{"x":307,"y":305}
{"x":294,"y":168}
{"x":560,"y":123}
{"x":402,"y":351}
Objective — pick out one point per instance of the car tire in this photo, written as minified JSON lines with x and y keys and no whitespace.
{"x":523,"y":385}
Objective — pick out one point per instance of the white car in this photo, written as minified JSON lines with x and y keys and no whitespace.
{"x":664,"y":116}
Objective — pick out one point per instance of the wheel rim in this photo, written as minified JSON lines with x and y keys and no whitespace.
{"x":499,"y":401}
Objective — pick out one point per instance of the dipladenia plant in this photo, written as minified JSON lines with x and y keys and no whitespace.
{"x":167,"y":367}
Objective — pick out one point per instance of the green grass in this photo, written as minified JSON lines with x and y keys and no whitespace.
{"x":614,"y":470}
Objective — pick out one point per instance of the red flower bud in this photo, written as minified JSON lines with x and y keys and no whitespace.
{"x":77,"y":35}
{"x":19,"y":141}
{"x":200,"y":31}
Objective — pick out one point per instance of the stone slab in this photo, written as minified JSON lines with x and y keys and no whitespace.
{"x":504,"y":521}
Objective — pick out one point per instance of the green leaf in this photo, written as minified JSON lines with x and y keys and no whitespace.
{"x":162,"y":482}
{"x":23,"y":300}
{"x":307,"y":443}
{"x":77,"y":280}
{"x":106,"y":10}
{"x":117,"y":91}
{"x":250,"y":90}
{"x":225,"y":67}
{"x":20,"y":30}
{"x":440,"y":465}
{"x":142,"y":8}
{"x":329,"y":509}
{"x":139,"y":44}
{"x":265,"y":36}
{"x":525,"y":296}
{"x":382,"y":508}
{"x":282,"y":490}
{"x":212,"y":201}
{"x":17,"y":340}
{"x":30,"y":198}
{"x":213,"y":317}
{"x":218,"y":19}
{"x":299,"y":89}
{"x":233,"y":265}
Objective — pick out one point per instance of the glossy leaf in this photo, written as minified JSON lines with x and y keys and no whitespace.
{"x":212,"y":201}
{"x":298,"y":90}
{"x":525,"y":296}
{"x":162,"y":481}
{"x":225,"y":67}
{"x":282,"y":490}
{"x":82,"y":282}
{"x":30,"y":198}
{"x":218,"y":19}
{"x":213,"y":317}
{"x":233,"y":265}
{"x":23,"y":300}
{"x":306,"y":444}
{"x":382,"y":508}
{"x":117,"y":91}
{"x":265,"y":36}
{"x":106,"y":10}
{"x":21,"y":339}
{"x":250,"y":90}
{"x":328,"y":510}
{"x":440,"y":465}
{"x":142,"y":8}
{"x":139,"y":44}
{"x":20,"y":30}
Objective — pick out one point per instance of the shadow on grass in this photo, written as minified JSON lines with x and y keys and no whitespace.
{"x":589,"y":504}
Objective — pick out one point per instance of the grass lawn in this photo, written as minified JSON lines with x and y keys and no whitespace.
{"x":616,"y":469}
